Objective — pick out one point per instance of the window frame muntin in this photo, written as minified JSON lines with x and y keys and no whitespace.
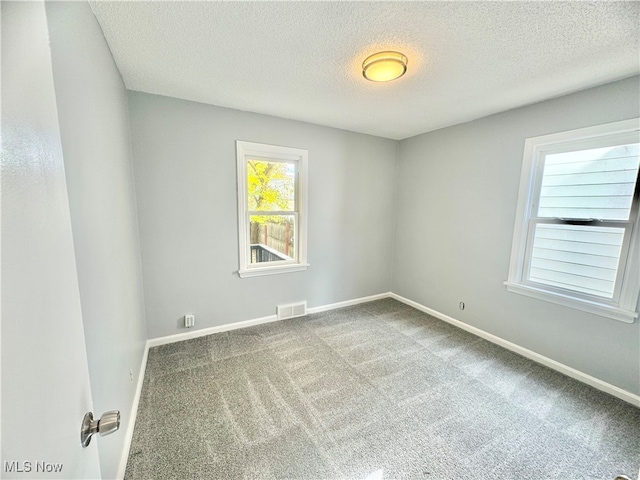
{"x":246,"y":151}
{"x":628,"y":286}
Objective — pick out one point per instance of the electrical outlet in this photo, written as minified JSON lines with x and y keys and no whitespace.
{"x":189,"y":320}
{"x":461,"y":305}
{"x":131,"y":374}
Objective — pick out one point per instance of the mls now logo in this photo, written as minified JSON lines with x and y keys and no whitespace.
{"x":27,"y":467}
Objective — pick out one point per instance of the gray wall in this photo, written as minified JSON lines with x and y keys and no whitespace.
{"x":457,"y":196}
{"x":185,"y":172}
{"x":94,"y":127}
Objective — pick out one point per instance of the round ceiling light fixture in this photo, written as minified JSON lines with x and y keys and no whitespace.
{"x":384,"y":66}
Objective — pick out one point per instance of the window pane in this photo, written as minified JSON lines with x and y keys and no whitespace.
{"x":271,"y":185}
{"x":596,"y":183}
{"x":272,"y":238}
{"x":579,"y":258}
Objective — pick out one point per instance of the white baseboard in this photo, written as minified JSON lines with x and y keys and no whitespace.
{"x":133,"y":415}
{"x":348,"y":303}
{"x":179,"y":337}
{"x":536,"y":357}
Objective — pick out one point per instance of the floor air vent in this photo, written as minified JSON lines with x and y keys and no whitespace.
{"x":290,"y":311}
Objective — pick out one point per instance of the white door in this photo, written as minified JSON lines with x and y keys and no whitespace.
{"x":45,"y":379}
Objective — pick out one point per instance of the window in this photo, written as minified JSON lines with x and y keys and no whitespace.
{"x":576,"y":241}
{"x":272,"y":200}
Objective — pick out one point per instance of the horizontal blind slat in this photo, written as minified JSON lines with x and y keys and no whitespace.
{"x":608,"y":165}
{"x":575,"y":269}
{"x":592,"y":178}
{"x":576,"y":281}
{"x":574,"y":257}
{"x":568,"y":246}
{"x":610,"y":189}
{"x":579,"y":233}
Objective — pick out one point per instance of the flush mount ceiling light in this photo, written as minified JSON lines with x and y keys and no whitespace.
{"x":384,"y":66}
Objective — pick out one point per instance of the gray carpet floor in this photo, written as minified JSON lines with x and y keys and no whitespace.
{"x":375,"y":391}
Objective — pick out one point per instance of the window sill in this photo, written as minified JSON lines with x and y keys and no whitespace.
{"x":602,"y":309}
{"x":260,"y":271}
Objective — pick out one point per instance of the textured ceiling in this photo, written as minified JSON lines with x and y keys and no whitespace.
{"x":302,"y":60}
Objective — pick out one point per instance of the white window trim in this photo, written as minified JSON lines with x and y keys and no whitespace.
{"x":625,"y":309}
{"x":245,"y":150}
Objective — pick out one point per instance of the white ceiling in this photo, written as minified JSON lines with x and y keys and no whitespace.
{"x":302,"y":60}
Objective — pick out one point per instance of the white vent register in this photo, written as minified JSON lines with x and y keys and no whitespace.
{"x":291,"y":311}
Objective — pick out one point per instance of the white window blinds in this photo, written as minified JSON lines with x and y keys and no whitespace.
{"x":596,"y":183}
{"x":576,"y":239}
{"x":584,"y":191}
